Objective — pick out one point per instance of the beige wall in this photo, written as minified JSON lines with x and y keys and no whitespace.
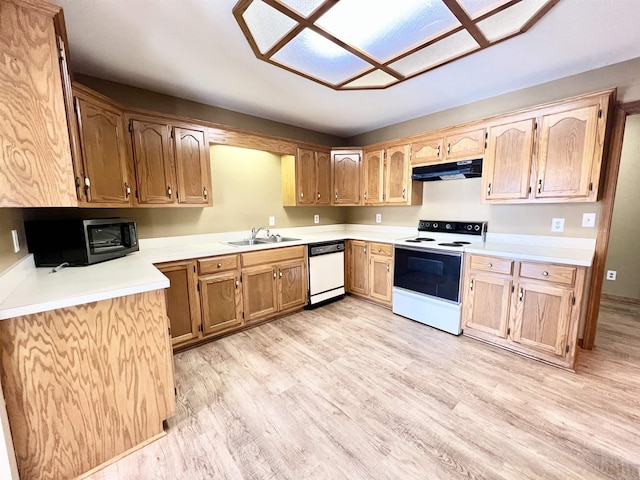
{"x":622,"y":75}
{"x":623,"y":255}
{"x":246,"y":191}
{"x":11,"y":219}
{"x":460,"y":200}
{"x":139,"y":98}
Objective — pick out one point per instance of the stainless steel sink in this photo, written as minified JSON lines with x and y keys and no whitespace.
{"x":278,"y":239}
{"x":262,"y":241}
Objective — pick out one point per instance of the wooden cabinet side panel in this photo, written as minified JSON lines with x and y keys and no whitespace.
{"x":87,"y":383}
{"x":36,"y":167}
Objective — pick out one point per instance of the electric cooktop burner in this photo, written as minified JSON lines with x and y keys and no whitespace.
{"x":456,"y":244}
{"x":421,"y":239}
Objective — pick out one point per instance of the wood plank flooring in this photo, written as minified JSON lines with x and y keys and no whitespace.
{"x":351,"y":391}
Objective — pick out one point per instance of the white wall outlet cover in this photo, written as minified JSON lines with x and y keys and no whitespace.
{"x":272,"y":221}
{"x":589,"y":220}
{"x":16,"y":241}
{"x":612,"y":274}
{"x":557,"y":224}
{"x":378,"y":218}
{"x":316,"y":219}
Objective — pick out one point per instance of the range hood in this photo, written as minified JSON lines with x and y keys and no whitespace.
{"x":448,"y":171}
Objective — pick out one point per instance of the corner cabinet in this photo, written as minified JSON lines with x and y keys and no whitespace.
{"x":530,"y":308}
{"x":387,"y":177}
{"x":369,"y":268}
{"x":550,"y":155}
{"x":36,"y":165}
{"x":306,"y":179}
{"x":346,"y":168}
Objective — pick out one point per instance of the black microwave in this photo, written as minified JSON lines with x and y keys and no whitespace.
{"x":80,"y":242}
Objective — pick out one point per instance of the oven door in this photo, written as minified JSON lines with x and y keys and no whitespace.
{"x":428,"y":272}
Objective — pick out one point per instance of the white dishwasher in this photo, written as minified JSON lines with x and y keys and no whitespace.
{"x":326,"y":272}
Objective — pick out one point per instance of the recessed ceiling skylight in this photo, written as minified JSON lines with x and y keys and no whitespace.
{"x":374,"y":44}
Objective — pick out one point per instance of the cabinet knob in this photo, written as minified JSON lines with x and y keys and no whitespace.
{"x":540,"y":186}
{"x":365,"y":250}
{"x":237,"y":283}
{"x":274,"y":274}
{"x":169,"y":191}
{"x":489,"y":265}
{"x":438,"y":151}
{"x":365,"y":195}
{"x":521,"y":294}
{"x":545,"y":274}
{"x":318,"y":195}
{"x":489,"y":190}
{"x":387,"y":267}
{"x":449,"y":148}
{"x":379,"y":250}
{"x":301,"y":195}
{"x":219,"y":265}
{"x":127,"y":189}
{"x":87,"y":182}
{"x":280,"y":274}
{"x":204,"y":192}
{"x":336,"y":195}
{"x":404,"y":191}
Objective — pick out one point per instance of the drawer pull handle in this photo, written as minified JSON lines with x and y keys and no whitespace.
{"x":489,"y":190}
{"x":545,"y":274}
{"x":404,"y":191}
{"x":490,"y":265}
{"x":237,"y":283}
{"x":438,"y":153}
{"x":379,"y":249}
{"x":301,"y":195}
{"x":318,"y":195}
{"x":169,"y":192}
{"x":274,"y":274}
{"x":387,"y":267}
{"x":280,"y":274}
{"x":471,"y":285}
{"x":521,"y":294}
{"x":219,"y":265}
{"x":204,"y":192}
{"x":540,"y":186}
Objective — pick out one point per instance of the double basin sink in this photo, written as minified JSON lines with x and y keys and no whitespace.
{"x":262,"y":241}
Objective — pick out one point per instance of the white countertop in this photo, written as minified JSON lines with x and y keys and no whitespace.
{"x":29,"y":290}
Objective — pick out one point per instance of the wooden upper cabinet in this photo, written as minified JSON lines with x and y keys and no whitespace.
{"x":542,"y":317}
{"x":221,"y":302}
{"x":36,"y":168}
{"x":373,"y":177}
{"x":103,"y":147}
{"x":427,"y":151}
{"x":153,"y":161}
{"x":397,"y":174}
{"x":323,"y":178}
{"x":192,"y":166}
{"x":346,"y":177}
{"x":465,"y":145}
{"x":507,"y":162}
{"x":568,"y":145}
{"x":306,"y":177}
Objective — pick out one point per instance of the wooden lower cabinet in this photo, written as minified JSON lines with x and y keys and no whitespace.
{"x":292,"y":285}
{"x":221,"y":301}
{"x":531,"y":308}
{"x":87,"y":383}
{"x":370,"y":270}
{"x":260,"y":291}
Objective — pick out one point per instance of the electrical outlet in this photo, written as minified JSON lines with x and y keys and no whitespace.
{"x":316,"y":219}
{"x":16,"y":242}
{"x":378,"y":218}
{"x":557,"y":224}
{"x":612,"y":274}
{"x":589,"y":220}
{"x":272,"y":221}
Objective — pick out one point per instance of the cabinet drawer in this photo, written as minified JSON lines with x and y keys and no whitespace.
{"x":217,"y":264}
{"x":381,"y":249}
{"x":551,"y":273}
{"x":274,"y":255}
{"x":491,"y":264}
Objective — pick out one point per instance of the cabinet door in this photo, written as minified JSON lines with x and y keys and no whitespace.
{"x":221,"y":302}
{"x":103,"y":152}
{"x":183,"y":307}
{"x":153,"y":162}
{"x":566,"y":153}
{"x":292,"y":285}
{"x":397,"y":172}
{"x":373,"y":177}
{"x":542,"y":317}
{"x":323,"y":178}
{"x":380,"y":277}
{"x":260,"y":293}
{"x":192,"y":166}
{"x":507,"y":162}
{"x":346,"y":178}
{"x":306,"y":177}
{"x":358,"y":267}
{"x":486,"y":304}
{"x":465,"y":145}
{"x":427,"y":151}
{"x":35,"y":164}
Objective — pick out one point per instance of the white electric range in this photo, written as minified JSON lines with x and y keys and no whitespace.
{"x":428,"y":270}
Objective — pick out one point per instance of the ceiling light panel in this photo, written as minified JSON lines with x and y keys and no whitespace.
{"x":451,"y":47}
{"x":303,"y":7}
{"x":386,"y":29}
{"x":266,"y":24}
{"x":311,"y":53}
{"x":510,"y":20}
{"x":375,"y":79}
{"x":477,"y":8}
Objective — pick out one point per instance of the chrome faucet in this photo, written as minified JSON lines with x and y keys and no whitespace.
{"x":254,"y":232}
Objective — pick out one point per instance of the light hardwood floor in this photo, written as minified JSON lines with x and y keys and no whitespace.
{"x":351,"y":391}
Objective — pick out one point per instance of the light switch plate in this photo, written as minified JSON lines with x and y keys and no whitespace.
{"x":557,"y":224}
{"x":378,"y":218}
{"x":272,"y":221}
{"x":316,"y":219}
{"x":589,"y":220}
{"x":16,"y":242}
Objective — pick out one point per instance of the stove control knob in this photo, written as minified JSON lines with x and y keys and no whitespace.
{"x":469,"y":227}
{"x":476,"y":228}
{"x":426,"y":224}
{"x":448,"y":226}
{"x":435,"y":225}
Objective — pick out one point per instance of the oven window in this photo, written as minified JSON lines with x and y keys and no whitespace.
{"x":428,"y":272}
{"x":106,"y":238}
